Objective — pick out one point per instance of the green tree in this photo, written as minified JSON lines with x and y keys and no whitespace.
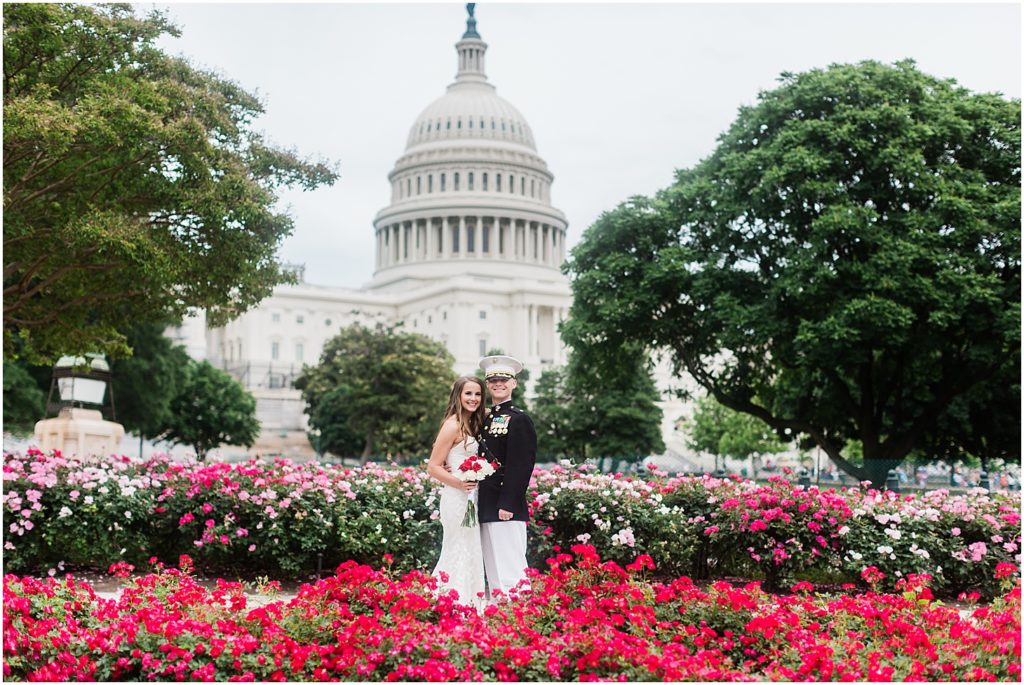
{"x":134,"y":186}
{"x":559,"y":433}
{"x":211,"y":409}
{"x":147,"y":382}
{"x":845,"y":265}
{"x":603,"y":409}
{"x":24,"y":400}
{"x":377,"y":391}
{"x":718,"y":430}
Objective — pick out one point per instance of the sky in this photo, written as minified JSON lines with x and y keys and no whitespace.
{"x":619,"y":96}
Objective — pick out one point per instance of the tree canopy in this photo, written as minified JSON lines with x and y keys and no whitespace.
{"x":24,"y":400}
{"x":844,"y":266}
{"x":211,"y":409}
{"x":603,"y":410}
{"x":134,"y":186}
{"x":146,"y":383}
{"x":720,"y":431}
{"x":377,"y":391}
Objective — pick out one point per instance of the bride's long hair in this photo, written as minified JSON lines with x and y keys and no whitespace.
{"x":470,"y":424}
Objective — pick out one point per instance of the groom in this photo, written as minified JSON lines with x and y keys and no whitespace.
{"x":508,"y":437}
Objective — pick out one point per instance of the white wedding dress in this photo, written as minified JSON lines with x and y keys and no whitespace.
{"x":461,"y":559}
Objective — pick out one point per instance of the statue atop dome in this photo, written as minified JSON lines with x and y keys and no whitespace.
{"x":470,"y":22}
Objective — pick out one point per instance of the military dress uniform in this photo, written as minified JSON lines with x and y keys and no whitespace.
{"x":509,"y":439}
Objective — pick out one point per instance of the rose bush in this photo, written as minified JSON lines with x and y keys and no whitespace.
{"x":585,"y":619}
{"x":284,"y":518}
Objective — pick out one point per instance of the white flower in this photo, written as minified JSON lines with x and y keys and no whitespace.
{"x":128,"y":514}
{"x":884,"y":549}
{"x":580,"y":506}
{"x":893,"y":533}
{"x":844,"y":530}
{"x":88,"y":499}
{"x":583,"y":537}
{"x":64,"y":513}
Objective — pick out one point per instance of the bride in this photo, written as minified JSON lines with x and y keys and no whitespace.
{"x":461,"y":560}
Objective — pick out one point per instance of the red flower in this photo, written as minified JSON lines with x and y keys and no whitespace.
{"x":872,"y":575}
{"x":1005,"y":569}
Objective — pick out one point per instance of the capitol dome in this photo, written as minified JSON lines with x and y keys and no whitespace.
{"x":470,"y":189}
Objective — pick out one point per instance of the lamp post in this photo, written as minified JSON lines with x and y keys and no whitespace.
{"x":82,"y":382}
{"x":81,"y":395}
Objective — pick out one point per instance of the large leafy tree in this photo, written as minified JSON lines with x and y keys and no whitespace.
{"x":134,"y":186}
{"x":210,"y":409}
{"x":24,"y":400}
{"x":147,"y":382}
{"x":601,"y":407}
{"x":377,"y":391}
{"x":722,"y":432}
{"x":844,"y":266}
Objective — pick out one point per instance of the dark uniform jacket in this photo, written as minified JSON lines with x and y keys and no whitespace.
{"x":508,"y":437}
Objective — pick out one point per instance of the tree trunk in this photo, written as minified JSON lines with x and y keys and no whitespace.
{"x":367,"y":449}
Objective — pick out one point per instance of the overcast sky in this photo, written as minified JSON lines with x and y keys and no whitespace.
{"x":618,"y":95}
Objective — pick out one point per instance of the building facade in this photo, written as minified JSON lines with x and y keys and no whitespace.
{"x":468,"y":252}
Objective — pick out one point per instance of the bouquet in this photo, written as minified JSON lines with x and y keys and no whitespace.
{"x":474,"y":468}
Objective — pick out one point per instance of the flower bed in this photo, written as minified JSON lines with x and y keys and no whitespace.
{"x":284,"y":518}
{"x":585,"y":620}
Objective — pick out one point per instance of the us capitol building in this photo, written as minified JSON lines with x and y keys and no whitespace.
{"x":468,"y":253}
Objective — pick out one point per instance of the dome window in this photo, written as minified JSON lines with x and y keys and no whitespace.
{"x":481,"y":124}
{"x":522,"y":185}
{"x":497,"y":183}
{"x":437,"y":127}
{"x":408,"y":187}
{"x":458,"y":124}
{"x":430,"y":183}
{"x":511,"y":183}
{"x":503,"y":126}
{"x":455,"y":181}
{"x":483,"y":181}
{"x":471,"y":123}
{"x":449,"y":126}
{"x":532,"y":189}
{"x":442,"y":182}
{"x":469,"y":181}
{"x":492,"y":124}
{"x":419,"y":187}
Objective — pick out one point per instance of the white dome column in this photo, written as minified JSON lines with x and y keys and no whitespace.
{"x":446,"y":238}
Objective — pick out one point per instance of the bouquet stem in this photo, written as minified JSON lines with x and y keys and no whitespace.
{"x":470,"y":520}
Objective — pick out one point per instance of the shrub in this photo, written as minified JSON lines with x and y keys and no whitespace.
{"x":284,"y":518}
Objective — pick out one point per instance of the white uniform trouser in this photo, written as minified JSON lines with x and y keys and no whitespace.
{"x":504,"y":548}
